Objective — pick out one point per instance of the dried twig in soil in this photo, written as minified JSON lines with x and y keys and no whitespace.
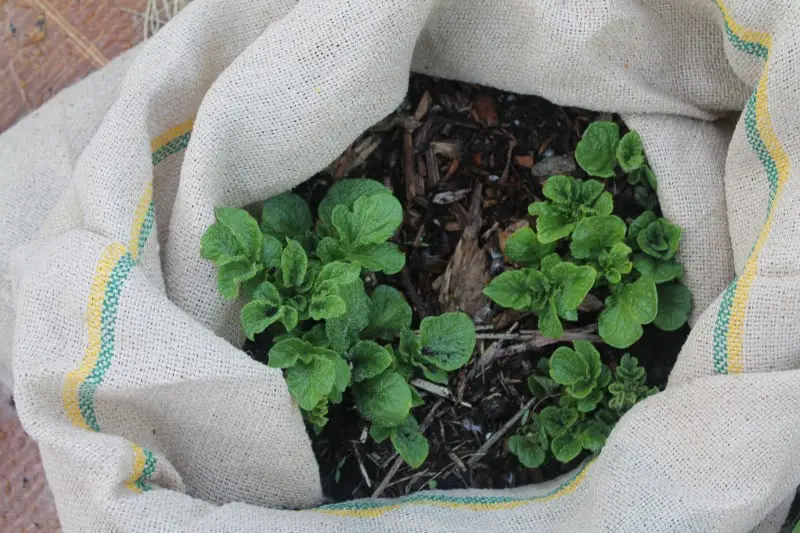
{"x":539,"y":343}
{"x":399,"y":461}
{"x":411,"y":290}
{"x":533,"y":340}
{"x":361,"y":468}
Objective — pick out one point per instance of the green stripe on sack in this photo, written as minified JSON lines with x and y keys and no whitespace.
{"x":147,"y":473}
{"x":88,"y":388}
{"x":172,"y":147}
{"x":722,"y":323}
{"x":458,"y":501}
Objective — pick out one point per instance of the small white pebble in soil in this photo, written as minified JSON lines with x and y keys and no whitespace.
{"x":494,"y":177}
{"x":470,"y":426}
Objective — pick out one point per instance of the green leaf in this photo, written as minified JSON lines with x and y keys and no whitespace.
{"x":288,"y":316}
{"x":549,"y":263}
{"x":604,"y":205}
{"x":369,"y":359}
{"x":571,"y":284}
{"x":650,"y":177}
{"x":330,"y":249}
{"x":549,"y":323}
{"x":588,"y":403}
{"x":630,"y":152}
{"x":341,"y":379}
{"x":448,"y":340}
{"x":628,"y":369}
{"x":317,"y":417}
{"x":643,"y":175}
{"x":312,"y":270}
{"x":639,"y":224}
{"x":384,"y":400}
{"x":551,"y":223}
{"x":510,"y":290}
{"x":285,"y":354}
{"x":538,"y":286}
{"x":373,"y":220}
{"x":384,"y":257}
{"x":562,"y":189}
{"x":327,"y":305}
{"x":409,"y":442}
{"x":243,"y":227}
{"x":659,"y":239}
{"x":530,"y":454}
{"x":316,"y":336}
{"x":379,"y":433}
{"x":326,"y":302}
{"x":605,"y":376}
{"x":633,"y":304}
{"x":541,"y":386}
{"x":594,"y":234}
{"x":346,"y":192}
{"x":410,"y":347}
{"x":674,"y":306}
{"x":298,"y":302}
{"x":338,"y":273}
{"x":271,"y":249}
{"x":567,"y":366}
{"x":582,"y":389}
{"x":389,"y":313}
{"x":294,"y":264}
{"x":258,"y":315}
{"x":595,"y":152}
{"x":593,"y":436}
{"x":219,"y":244}
{"x":311,"y":382}
{"x":590,"y":191}
{"x":557,"y":420}
{"x":436,"y":375}
{"x":344,"y":330}
{"x":267,"y":293}
{"x":286,"y":215}
{"x":524,"y":248}
{"x":660,"y":270}
{"x":231,"y":275}
{"x":416,"y":399}
{"x":566,"y":447}
{"x":615,"y":262}
{"x":590,"y":355}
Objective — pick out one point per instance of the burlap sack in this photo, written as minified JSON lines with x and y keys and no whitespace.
{"x":125,"y":360}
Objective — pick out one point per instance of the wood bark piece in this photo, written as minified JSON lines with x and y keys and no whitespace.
{"x":461,"y":286}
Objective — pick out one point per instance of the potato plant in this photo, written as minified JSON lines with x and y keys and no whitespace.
{"x":335,"y":333}
{"x":578,"y":246}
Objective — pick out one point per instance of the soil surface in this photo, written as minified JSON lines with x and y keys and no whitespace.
{"x":466,"y":161}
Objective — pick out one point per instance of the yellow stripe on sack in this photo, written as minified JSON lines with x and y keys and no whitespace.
{"x":170,"y":134}
{"x":465,"y":506}
{"x":782,"y":166}
{"x":752,"y":36}
{"x":94,"y":310}
{"x":139,"y":460}
{"x":139,"y":215}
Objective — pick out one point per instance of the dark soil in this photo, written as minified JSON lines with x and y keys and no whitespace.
{"x":463,"y":157}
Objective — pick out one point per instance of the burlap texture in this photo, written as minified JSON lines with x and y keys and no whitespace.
{"x":125,"y":360}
